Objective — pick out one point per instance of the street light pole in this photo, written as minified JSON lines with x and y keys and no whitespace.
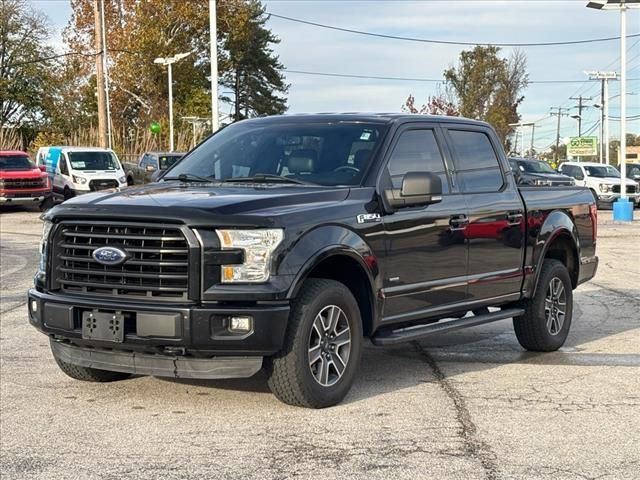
{"x":168,"y":61}
{"x":622,"y":208}
{"x":623,"y":103}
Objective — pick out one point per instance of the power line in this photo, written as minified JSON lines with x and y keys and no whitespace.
{"x":408,"y":79}
{"x":447,"y":42}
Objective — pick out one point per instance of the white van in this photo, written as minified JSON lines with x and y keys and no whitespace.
{"x":77,"y":170}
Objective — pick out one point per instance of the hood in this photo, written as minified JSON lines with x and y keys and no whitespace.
{"x":196,"y":202}
{"x":554,"y":177}
{"x":613,"y":181}
{"x":31,"y":173}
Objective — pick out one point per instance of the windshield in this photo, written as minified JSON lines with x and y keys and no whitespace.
{"x":167,"y":161}
{"x":319,"y":153}
{"x":535,"y":167}
{"x":93,"y":161}
{"x":15,"y":162}
{"x":602,"y":172}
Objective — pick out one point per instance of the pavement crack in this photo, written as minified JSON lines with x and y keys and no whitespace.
{"x":474,"y":445}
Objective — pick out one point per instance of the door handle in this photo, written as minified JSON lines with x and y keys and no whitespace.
{"x":458,"y":222}
{"x":514,"y":218}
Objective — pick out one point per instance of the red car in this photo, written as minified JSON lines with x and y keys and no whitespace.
{"x":21,"y":182}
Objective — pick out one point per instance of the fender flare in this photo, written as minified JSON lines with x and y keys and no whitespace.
{"x":557,"y":224}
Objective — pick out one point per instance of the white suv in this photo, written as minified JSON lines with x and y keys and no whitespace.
{"x":603,"y":180}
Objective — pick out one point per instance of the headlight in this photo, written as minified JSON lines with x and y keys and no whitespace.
{"x":604,"y":187}
{"x":79,"y":180}
{"x":258,"y":246}
{"x":122,"y":179}
{"x":44,"y":246}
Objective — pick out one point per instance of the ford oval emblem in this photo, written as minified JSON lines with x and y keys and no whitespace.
{"x":109,"y":255}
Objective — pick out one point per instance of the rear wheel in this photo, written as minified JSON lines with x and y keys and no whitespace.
{"x":86,"y":374}
{"x":321,"y":352}
{"x":545,"y":325}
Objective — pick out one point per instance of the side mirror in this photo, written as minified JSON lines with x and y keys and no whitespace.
{"x":150,"y":168}
{"x":43,"y":168}
{"x":418,"y":189}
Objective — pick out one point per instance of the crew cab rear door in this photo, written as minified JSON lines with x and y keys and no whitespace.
{"x":426,"y":256}
{"x":496,"y":229}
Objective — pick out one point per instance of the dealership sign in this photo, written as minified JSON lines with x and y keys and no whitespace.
{"x":582,"y":146}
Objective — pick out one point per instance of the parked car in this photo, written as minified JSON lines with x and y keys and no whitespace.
{"x":21,"y":182}
{"x":149,"y":166}
{"x":537,"y":173}
{"x":602,"y":180}
{"x":77,"y":170}
{"x":632,"y":171}
{"x":281,"y":242}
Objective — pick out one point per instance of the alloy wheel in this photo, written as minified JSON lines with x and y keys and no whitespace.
{"x":329,"y":345}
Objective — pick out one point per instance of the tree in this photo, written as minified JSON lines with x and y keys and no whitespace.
{"x":487,"y":87}
{"x":23,"y":69}
{"x":436,"y":105}
{"x":248,"y":65}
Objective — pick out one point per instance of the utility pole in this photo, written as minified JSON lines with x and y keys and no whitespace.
{"x":604,"y":77}
{"x":100,"y":91}
{"x":213,"y":40}
{"x":580,"y":107}
{"x":103,"y":28}
{"x":560,"y":113}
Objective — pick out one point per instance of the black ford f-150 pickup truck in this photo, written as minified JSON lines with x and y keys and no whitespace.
{"x":283,"y":242}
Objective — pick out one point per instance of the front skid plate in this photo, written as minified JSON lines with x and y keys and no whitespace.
{"x":157,"y":365}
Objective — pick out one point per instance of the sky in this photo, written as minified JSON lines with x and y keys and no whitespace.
{"x":313,"y":49}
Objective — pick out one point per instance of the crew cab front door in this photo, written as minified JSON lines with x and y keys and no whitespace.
{"x":426,"y":255}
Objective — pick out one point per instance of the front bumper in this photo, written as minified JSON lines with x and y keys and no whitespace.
{"x":23,"y":198}
{"x":193,"y":331}
{"x":610,"y":198}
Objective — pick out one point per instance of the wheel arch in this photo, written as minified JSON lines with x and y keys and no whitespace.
{"x":347,"y":259}
{"x":558,"y":239}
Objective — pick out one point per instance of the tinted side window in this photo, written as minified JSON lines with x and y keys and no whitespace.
{"x":417,"y":151}
{"x":476,"y":162}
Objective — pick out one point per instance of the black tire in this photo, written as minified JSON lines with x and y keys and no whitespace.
{"x":291,"y":377}
{"x":130,"y":182}
{"x":535,"y":330}
{"x":86,"y":374}
{"x":46,"y":204}
{"x":67,"y":194}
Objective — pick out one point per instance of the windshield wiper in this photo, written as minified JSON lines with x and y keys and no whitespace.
{"x":267,"y":178}
{"x":188,"y":177}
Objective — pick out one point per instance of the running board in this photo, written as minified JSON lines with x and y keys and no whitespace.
{"x":409,"y":334}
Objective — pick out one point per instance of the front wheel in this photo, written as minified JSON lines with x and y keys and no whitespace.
{"x":321,"y":353}
{"x":544,"y":327}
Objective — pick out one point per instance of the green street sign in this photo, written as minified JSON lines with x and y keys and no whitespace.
{"x":582,"y":146}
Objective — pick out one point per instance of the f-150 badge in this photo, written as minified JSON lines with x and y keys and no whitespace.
{"x":369,"y":218}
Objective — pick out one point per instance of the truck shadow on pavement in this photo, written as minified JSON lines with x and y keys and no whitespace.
{"x":598,"y":314}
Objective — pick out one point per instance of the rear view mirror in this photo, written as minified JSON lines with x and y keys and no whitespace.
{"x":579,"y":177}
{"x":43,"y":168}
{"x":150,"y":168}
{"x":418,"y":189}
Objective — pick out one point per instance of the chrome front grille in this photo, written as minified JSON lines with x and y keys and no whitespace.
{"x":157,"y":265}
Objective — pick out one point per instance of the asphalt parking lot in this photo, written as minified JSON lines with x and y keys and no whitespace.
{"x":469,"y":404}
